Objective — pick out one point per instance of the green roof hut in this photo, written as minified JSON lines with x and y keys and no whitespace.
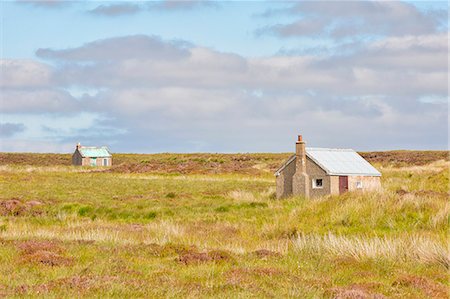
{"x":91,"y":156}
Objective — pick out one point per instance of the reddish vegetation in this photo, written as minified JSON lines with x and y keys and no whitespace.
{"x":35,"y":159}
{"x":80,"y":283}
{"x":354,"y":292}
{"x":46,"y":258}
{"x":32,"y":246}
{"x":264,"y":253}
{"x":267,"y":271}
{"x":427,"y":286}
{"x":11,"y":207}
{"x":252,"y":164}
{"x":14,"y":207}
{"x":189,"y":167}
{"x":403,"y":158}
{"x":189,"y":254}
{"x":43,"y":252}
{"x":195,"y":257}
{"x":220,"y":255}
{"x":3,"y":291}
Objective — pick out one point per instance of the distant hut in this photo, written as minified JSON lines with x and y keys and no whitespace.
{"x":91,"y":156}
{"x":314,"y":172}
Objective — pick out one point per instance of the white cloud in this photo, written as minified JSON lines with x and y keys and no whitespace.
{"x":158,"y":95}
{"x":53,"y":4}
{"x":116,"y":9}
{"x":24,"y":73}
{"x":353,"y":19}
{"x":37,"y":101}
{"x":173,"y":103}
{"x":396,"y":66}
{"x":119,"y":49}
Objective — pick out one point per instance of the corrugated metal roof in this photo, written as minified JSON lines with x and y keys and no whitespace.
{"x":337,"y":162}
{"x":93,"y":152}
{"x":341,"y":162}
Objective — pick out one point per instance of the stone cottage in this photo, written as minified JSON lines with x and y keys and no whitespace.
{"x":314,"y":172}
{"x":91,"y":156}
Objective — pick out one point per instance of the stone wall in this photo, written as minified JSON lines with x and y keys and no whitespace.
{"x":76,"y":158}
{"x":369,"y":183}
{"x":315,"y":172}
{"x":334,"y":185}
{"x":284,"y":181}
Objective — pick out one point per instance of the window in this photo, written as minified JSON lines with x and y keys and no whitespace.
{"x":358,"y":185}
{"x":317,"y":183}
{"x":105,"y":162}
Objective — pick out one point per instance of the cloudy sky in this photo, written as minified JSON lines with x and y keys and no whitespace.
{"x":218,"y":76}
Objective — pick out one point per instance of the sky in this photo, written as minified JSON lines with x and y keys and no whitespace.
{"x":223,"y":76}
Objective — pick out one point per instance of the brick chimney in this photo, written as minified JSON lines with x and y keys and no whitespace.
{"x":300,"y":153}
{"x":300,"y":181}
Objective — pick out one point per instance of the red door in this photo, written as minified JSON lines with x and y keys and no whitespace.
{"x":343,"y":184}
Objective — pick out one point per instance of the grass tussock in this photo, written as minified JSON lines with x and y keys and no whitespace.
{"x":409,"y":248}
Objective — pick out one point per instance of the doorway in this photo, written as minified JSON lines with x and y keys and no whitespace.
{"x":93,"y":161}
{"x":343,"y":184}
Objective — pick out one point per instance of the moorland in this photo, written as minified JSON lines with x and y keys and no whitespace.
{"x":208,"y":225}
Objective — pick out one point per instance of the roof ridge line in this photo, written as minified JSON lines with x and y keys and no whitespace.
{"x":330,"y":149}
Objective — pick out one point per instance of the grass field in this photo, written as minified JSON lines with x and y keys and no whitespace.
{"x":208,"y":225}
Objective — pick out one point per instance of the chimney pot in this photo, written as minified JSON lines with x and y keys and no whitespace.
{"x":300,"y":138}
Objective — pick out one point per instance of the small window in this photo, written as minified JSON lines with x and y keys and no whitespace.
{"x":359,"y":185}
{"x":317,"y":183}
{"x":105,"y":162}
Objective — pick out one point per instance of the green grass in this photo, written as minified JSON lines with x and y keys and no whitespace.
{"x":79,"y":232}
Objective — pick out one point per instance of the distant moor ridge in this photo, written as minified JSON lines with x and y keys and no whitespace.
{"x":203,"y":163}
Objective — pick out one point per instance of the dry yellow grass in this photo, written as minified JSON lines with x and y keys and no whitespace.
{"x":405,"y":248}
